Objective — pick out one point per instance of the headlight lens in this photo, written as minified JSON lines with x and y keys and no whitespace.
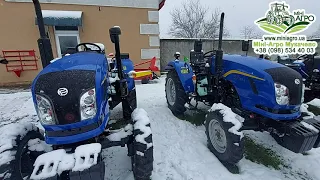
{"x":45,"y":111}
{"x":88,"y":106}
{"x":282,"y":94}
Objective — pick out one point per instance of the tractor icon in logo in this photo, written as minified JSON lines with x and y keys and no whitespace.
{"x":278,"y":15}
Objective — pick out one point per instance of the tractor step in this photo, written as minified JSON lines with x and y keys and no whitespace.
{"x":298,"y":138}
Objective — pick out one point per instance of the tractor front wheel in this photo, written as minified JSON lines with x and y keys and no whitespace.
{"x":142,"y":157}
{"x":226,"y":146}
{"x":21,"y":166}
{"x":175,"y":95}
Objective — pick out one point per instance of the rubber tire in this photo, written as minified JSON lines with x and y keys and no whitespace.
{"x":233,"y":153}
{"x":13,"y":167}
{"x":178,"y":107}
{"x":132,"y":98}
{"x":145,"y":81}
{"x":142,"y":166}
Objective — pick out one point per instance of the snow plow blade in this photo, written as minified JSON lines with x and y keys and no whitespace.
{"x":299,"y":137}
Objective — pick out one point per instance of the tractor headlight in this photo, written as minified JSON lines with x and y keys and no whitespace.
{"x":282,"y":94}
{"x":45,"y":111}
{"x":88,"y":106}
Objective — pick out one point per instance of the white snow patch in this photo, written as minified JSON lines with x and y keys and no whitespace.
{"x":86,"y":152}
{"x":141,"y":119}
{"x":304,"y":109}
{"x":39,"y":145}
{"x":55,"y":59}
{"x":207,"y":65}
{"x":229,"y":116}
{"x":237,"y":144}
{"x":112,"y":121}
{"x":8,"y":139}
{"x":186,"y":105}
{"x":309,"y":126}
{"x":61,"y":14}
{"x":122,"y":133}
{"x":67,"y":162}
{"x":50,"y":162}
{"x":140,"y":153}
{"x":112,"y":80}
{"x":315,"y":102}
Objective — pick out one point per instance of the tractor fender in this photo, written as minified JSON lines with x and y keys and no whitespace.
{"x":184,"y":72}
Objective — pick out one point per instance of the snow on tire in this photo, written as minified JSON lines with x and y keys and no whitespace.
{"x":142,"y":159}
{"x":15,"y":159}
{"x":222,"y":130}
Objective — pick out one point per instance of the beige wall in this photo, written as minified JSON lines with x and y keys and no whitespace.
{"x":19,"y":32}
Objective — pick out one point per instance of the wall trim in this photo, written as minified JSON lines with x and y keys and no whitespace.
{"x":152,"y":4}
{"x":149,"y":29}
{"x":148,"y":54}
{"x":153,"y":16}
{"x":154,"y":41}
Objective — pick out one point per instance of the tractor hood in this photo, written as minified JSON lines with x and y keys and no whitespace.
{"x":79,"y":61}
{"x":252,"y":62}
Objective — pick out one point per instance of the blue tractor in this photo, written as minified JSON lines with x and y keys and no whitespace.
{"x":73,"y":97}
{"x":309,"y":68}
{"x":245,"y":93}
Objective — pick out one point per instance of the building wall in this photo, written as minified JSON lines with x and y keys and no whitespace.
{"x":139,"y":25}
{"x":184,"y":46}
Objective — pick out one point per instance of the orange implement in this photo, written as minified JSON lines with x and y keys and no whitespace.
{"x":152,"y":69}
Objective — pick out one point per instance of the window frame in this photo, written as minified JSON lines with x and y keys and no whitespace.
{"x":59,"y":33}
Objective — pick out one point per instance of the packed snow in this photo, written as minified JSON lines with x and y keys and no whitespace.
{"x":55,"y":162}
{"x":180,"y":148}
{"x":61,"y":14}
{"x":117,"y":135}
{"x":229,"y":116}
{"x":141,"y":120}
{"x":83,"y":156}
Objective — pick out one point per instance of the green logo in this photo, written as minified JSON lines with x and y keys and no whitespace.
{"x":279,"y":20}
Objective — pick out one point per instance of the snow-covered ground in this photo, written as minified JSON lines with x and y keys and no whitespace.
{"x":180,"y":148}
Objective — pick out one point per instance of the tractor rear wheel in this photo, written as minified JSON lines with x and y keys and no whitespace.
{"x":142,"y":157}
{"x":21,"y":166}
{"x":226,"y":146}
{"x":175,"y":95}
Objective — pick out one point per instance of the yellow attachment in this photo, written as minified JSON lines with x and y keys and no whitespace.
{"x":139,"y":74}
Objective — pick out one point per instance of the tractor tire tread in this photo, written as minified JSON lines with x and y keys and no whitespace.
{"x":11,"y":170}
{"x":181,"y":97}
{"x":233,"y":153}
{"x":143,"y":164}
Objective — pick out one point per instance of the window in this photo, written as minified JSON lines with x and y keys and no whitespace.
{"x":67,"y":38}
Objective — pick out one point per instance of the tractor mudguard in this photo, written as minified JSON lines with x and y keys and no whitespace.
{"x":127,"y":67}
{"x":184,"y":72}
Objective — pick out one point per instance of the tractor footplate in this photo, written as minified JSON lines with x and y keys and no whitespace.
{"x":298,"y":138}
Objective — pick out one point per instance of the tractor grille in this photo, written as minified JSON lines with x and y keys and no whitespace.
{"x":287,"y":76}
{"x":76,"y":81}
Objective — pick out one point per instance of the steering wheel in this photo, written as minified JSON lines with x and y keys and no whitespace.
{"x":205,"y":55}
{"x":86,"y":48}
